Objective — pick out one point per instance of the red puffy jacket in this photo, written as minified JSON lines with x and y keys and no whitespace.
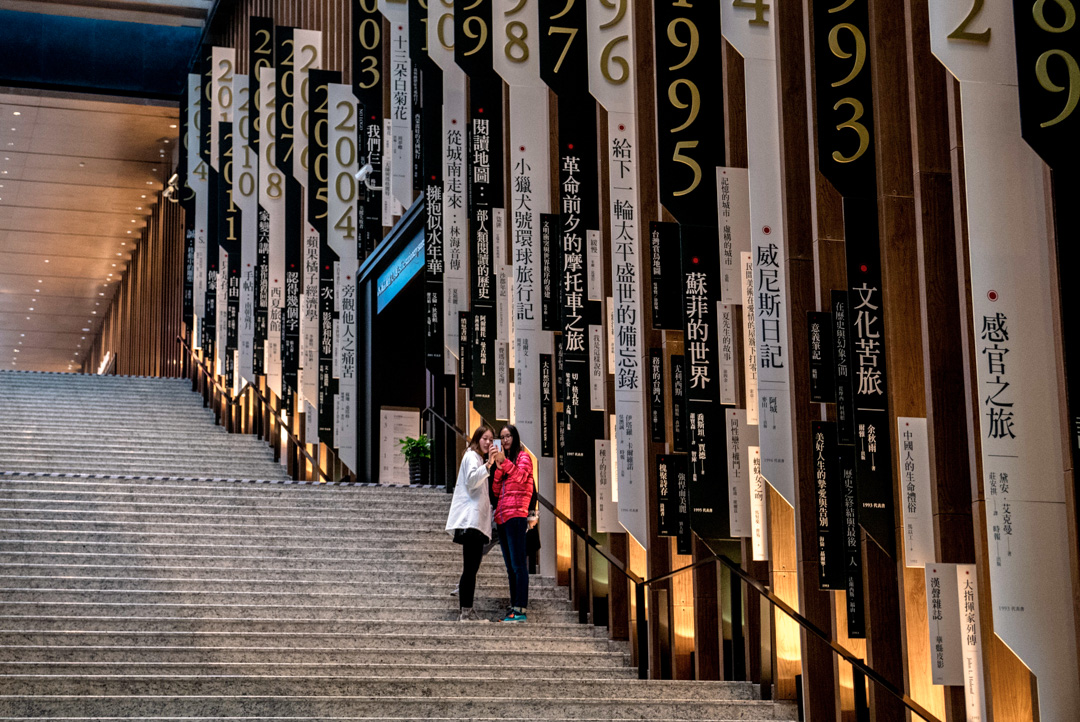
{"x":513,"y":486}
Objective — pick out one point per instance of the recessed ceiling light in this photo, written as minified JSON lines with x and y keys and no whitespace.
{"x":149,"y":183}
{"x":143,"y":196}
{"x":82,"y":164}
{"x":100,"y":293}
{"x":129,"y":233}
{"x":84,"y":338}
{"x":122,"y":243}
{"x":166,"y":140}
{"x":31,"y":308}
{"x":46,"y":260}
{"x":37,"y":290}
{"x":173,"y":125}
{"x":117,"y":253}
{"x":18,"y":113}
{"x":86,"y":329}
{"x":138,"y":208}
{"x":22,"y":334}
{"x":93,"y":312}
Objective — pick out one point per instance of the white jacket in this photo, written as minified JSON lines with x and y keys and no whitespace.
{"x":471,"y":506}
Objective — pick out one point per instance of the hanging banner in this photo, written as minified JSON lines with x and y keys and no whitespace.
{"x":667,"y":497}
{"x":246,"y":197}
{"x":917,"y":504}
{"x":367,"y":79}
{"x":829,"y":488}
{"x":1013,"y":322}
{"x":611,"y":36}
{"x":943,"y":610}
{"x":759,"y":509}
{"x":678,"y":404}
{"x":607,"y":511}
{"x":701,"y":286}
{"x":465,"y":349}
{"x":819,"y":329}
{"x":187,"y":199}
{"x":547,"y":406}
{"x":272,"y":227}
{"x":690,"y":146}
{"x":971,"y":639}
{"x":733,"y":211}
{"x":844,"y":394}
{"x":740,"y":437}
{"x":196,"y":180}
{"x":208,"y":326}
{"x":728,"y":395}
{"x":750,"y":369}
{"x":342,"y":237}
{"x":400,"y":110}
{"x":847,"y":160}
{"x":260,"y":57}
{"x":656,"y":394}
{"x":286,"y":119}
{"x":326,"y":258}
{"x":549,"y":296}
{"x":853,"y":583}
{"x":664,"y":261}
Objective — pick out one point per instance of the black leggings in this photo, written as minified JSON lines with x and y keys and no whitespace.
{"x":512,"y":535}
{"x":472,"y":551}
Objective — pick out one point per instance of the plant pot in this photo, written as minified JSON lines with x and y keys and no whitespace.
{"x":418,"y":471}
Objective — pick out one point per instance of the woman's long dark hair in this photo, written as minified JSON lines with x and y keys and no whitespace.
{"x":474,"y":443}
{"x":515,"y":444}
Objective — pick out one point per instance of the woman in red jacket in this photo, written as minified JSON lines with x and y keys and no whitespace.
{"x":514,"y":489}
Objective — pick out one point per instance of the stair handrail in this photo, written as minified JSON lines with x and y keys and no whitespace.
{"x":750,"y":581}
{"x":263,"y":401}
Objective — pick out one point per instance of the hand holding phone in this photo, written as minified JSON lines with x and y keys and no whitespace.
{"x":496,"y":445}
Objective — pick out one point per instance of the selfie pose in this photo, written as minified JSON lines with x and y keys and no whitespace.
{"x":514,"y":490}
{"x":469,"y":521}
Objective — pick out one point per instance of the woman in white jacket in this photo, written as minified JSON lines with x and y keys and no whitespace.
{"x":469,"y":522}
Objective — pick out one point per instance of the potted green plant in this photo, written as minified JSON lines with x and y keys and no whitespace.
{"x":417,"y":452}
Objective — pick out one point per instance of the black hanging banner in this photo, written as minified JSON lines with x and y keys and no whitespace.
{"x":294,"y":222}
{"x":690,"y":143}
{"x":549,"y":223}
{"x":367,"y":76}
{"x":853,"y":585}
{"x":187,"y":202}
{"x":667,"y":494}
{"x":261,"y":55}
{"x":464,"y":350}
{"x":1047,"y":53}
{"x":547,"y":406}
{"x":318,"y":210}
{"x":678,"y":403}
{"x":563,"y":47}
{"x":656,"y":394}
{"x":666,"y":291}
{"x":706,"y":429}
{"x":829,"y":487}
{"x":845,"y":139}
{"x":209,"y":321}
{"x":683,"y":523}
{"x":844,"y":395}
{"x":819,"y":329}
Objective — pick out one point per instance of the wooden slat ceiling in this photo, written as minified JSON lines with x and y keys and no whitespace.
{"x":78,"y":175}
{"x":155,"y":12}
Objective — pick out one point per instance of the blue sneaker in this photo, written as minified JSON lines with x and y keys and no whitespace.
{"x":515,"y":615}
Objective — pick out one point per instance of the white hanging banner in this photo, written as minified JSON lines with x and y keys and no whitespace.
{"x":1015,"y":355}
{"x":272,"y":204}
{"x":197,"y":175}
{"x":502,"y":380}
{"x":750,"y":379}
{"x":343,"y":162}
{"x":759,"y":501}
{"x":607,"y":510}
{"x":971,"y":643}
{"x":733,"y":212}
{"x":740,"y":466}
{"x":246,"y":197}
{"x":943,"y":614}
{"x":917,"y":506}
{"x":596,"y":367}
{"x":221,"y":97}
{"x":743,"y":27}
{"x":728,"y":396}
{"x":611,"y":27}
{"x":400,"y":108}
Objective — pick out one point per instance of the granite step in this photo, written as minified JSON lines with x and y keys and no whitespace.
{"x":316,"y":545}
{"x":331,"y":684}
{"x":288,"y":500}
{"x":410,"y":707}
{"x":445,"y":576}
{"x":388,"y":670}
{"x":392,"y":494}
{"x":285,"y":625}
{"x":184,"y":585}
{"x":488,"y":599}
{"x":449,"y":657}
{"x":271,"y":528}
{"x":443,"y":611}
{"x":171,"y":509}
{"x":269,"y":470}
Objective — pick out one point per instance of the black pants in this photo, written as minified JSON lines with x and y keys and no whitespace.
{"x":512,"y":535}
{"x":472,"y":552}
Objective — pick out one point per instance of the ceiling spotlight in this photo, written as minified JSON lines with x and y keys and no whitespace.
{"x":86,"y":329}
{"x":82,"y":164}
{"x":46,"y":260}
{"x":173,"y":125}
{"x":18,"y":113}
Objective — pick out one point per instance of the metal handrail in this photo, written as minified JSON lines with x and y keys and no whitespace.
{"x":262,"y":400}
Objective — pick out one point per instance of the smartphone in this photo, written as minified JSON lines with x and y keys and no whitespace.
{"x":497,"y":444}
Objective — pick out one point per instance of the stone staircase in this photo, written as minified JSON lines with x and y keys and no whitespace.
{"x":169,"y":598}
